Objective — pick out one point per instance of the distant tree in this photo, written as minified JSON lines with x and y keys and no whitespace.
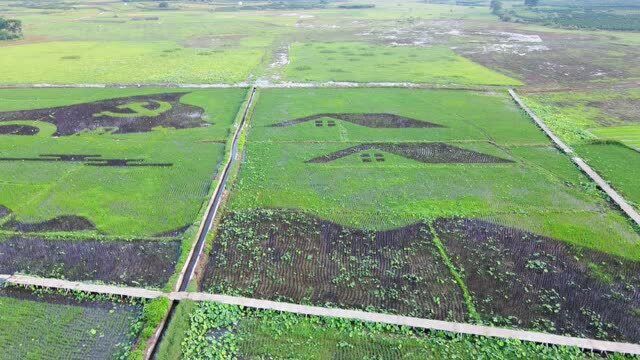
{"x":10,"y":28}
{"x":496,"y":6}
{"x":531,"y":2}
{"x":163,"y":5}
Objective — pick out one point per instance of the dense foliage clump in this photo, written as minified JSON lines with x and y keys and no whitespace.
{"x":10,"y":29}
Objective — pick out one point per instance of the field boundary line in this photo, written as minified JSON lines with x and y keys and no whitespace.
{"x":266,"y":85}
{"x":454,"y":327}
{"x":618,"y":199}
{"x":133,"y":292}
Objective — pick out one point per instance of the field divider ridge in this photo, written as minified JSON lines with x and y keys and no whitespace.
{"x":618,"y":199}
{"x":358,"y":315}
{"x":195,"y":253}
{"x":453,"y":327}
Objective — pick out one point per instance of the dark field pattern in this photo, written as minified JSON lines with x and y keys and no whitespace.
{"x":423,"y":152}
{"x":126,"y":115}
{"x":134,"y":263}
{"x":291,"y":256}
{"x":368,"y":120}
{"x":18,"y":130}
{"x":91,"y":160}
{"x":4,"y":211}
{"x":533,"y":282}
{"x":59,"y":223}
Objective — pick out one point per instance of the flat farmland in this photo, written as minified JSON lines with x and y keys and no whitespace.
{"x":429,"y":203}
{"x":602,"y":127}
{"x":37,"y":326}
{"x":96,"y":179}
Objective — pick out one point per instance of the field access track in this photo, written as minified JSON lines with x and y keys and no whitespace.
{"x":470,"y":329}
{"x":614,"y":195}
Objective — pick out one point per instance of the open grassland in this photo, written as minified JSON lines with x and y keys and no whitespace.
{"x":602,"y":126}
{"x":345,"y":62}
{"x":209,"y":330}
{"x":53,"y":327}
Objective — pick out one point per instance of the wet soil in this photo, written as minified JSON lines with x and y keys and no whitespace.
{"x":60,"y":223}
{"x":134,"y":263}
{"x":91,"y":160}
{"x":423,"y":152}
{"x":18,"y":130}
{"x":288,"y":255}
{"x":373,"y":120}
{"x":74,"y":119}
{"x":533,"y":282}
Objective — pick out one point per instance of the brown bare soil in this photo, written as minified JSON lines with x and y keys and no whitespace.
{"x":373,"y":120}
{"x":534,"y":282}
{"x":74,"y":119}
{"x":18,"y":130}
{"x":291,"y":256}
{"x":60,"y":223}
{"x":134,"y":263}
{"x":423,"y":152}
{"x":627,"y":110}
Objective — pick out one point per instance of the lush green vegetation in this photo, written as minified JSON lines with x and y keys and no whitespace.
{"x":36,"y":328}
{"x":10,"y":29}
{"x":602,"y":127}
{"x":127,"y":201}
{"x":540,"y":190}
{"x":345,"y":61}
{"x":224,"y":331}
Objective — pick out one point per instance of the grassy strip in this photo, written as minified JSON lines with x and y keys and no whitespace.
{"x":170,"y":348}
{"x":153,"y":313}
{"x":466,"y":294}
{"x":225,"y":331}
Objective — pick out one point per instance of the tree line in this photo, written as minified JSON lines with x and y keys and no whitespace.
{"x":10,"y":29}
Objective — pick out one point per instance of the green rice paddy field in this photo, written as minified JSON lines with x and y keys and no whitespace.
{"x":603,"y":128}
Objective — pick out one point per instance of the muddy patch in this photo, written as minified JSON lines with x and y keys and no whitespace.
{"x":134,"y":263}
{"x":4,"y":211}
{"x":174,"y":233}
{"x":18,"y":130}
{"x":91,"y":160}
{"x":423,"y":152}
{"x":291,"y":256}
{"x":533,"y":282}
{"x":372,"y":120}
{"x":122,"y":115}
{"x":60,"y":223}
{"x":626,"y":110}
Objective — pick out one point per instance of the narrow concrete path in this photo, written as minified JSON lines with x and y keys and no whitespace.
{"x":613,"y":194}
{"x":133,"y":292}
{"x":453,"y":327}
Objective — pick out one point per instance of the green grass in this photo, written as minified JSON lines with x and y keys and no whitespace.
{"x":253,"y":334}
{"x":628,"y":135}
{"x":37,"y":329}
{"x":132,"y":201}
{"x":591,"y":122}
{"x":617,"y":163}
{"x":351,"y":61}
{"x":541,"y":185}
{"x":122,"y":63}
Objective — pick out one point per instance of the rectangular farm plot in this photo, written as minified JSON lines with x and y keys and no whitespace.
{"x":55,"y":327}
{"x":104,"y":184}
{"x":360,"y":221}
{"x":362,"y":62}
{"x":389,"y":115}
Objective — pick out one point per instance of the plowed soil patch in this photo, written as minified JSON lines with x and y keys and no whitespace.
{"x":373,"y":120}
{"x":287,"y":255}
{"x":533,"y":282}
{"x":135,"y":263}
